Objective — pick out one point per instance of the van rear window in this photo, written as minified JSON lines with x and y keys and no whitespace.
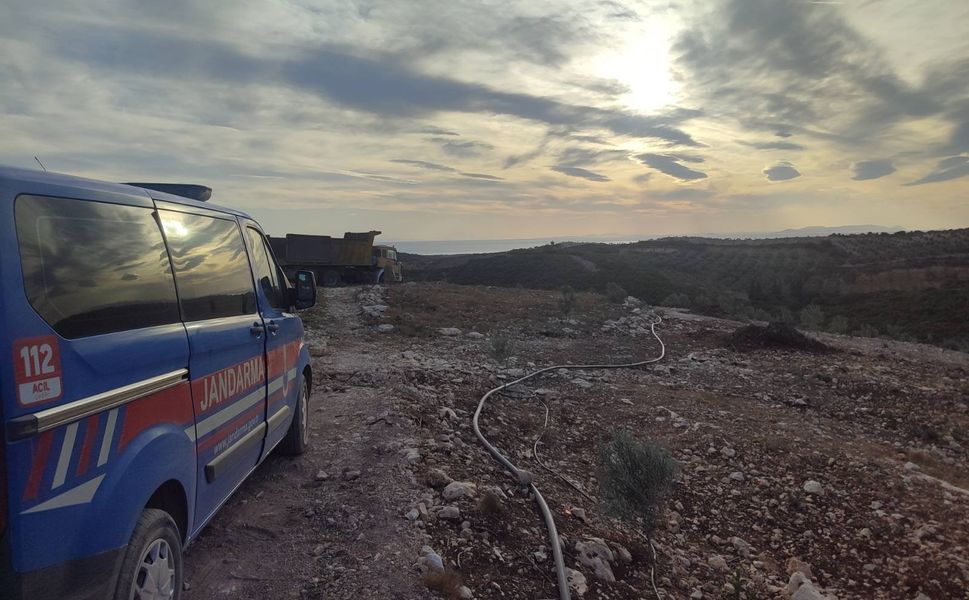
{"x":211,"y":265}
{"x":91,"y":268}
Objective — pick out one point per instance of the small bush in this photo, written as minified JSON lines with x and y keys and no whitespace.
{"x":811,"y":317}
{"x":676,"y":300}
{"x":615,"y":292}
{"x":502,"y":346}
{"x":635,"y":478}
{"x":490,"y":504}
{"x":447,"y":583}
{"x":567,"y":301}
{"x":838,"y":324}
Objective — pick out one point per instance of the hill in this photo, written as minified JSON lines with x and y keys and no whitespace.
{"x":910,"y":285}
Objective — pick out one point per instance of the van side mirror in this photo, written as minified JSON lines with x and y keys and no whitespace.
{"x":305,"y":290}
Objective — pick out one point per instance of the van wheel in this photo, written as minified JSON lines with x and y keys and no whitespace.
{"x":298,"y":436}
{"x":152,"y":566}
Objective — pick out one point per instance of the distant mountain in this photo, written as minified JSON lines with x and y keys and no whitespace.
{"x":821,"y":230}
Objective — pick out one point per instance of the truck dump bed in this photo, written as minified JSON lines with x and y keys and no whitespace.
{"x":354,"y":249}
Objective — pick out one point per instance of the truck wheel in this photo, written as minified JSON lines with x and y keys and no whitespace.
{"x":298,"y":436}
{"x":331,"y":277}
{"x":152,"y":566}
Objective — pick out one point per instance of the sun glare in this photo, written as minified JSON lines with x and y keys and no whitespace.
{"x":643,"y":65}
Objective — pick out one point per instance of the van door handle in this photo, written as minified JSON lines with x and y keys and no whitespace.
{"x":257,"y":329}
{"x":273,"y":327}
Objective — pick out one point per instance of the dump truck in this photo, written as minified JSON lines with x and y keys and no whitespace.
{"x":351,"y":259}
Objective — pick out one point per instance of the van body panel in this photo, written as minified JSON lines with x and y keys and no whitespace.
{"x":75,"y":491}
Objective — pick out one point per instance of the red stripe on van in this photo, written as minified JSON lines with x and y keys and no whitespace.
{"x":41,"y":454}
{"x":90,"y":432}
{"x":173,"y":405}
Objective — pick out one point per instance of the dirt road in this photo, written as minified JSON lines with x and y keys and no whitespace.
{"x":325,"y":524}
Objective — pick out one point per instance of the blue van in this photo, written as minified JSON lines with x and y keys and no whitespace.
{"x":149,"y":361}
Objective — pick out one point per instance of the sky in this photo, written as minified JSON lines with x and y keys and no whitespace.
{"x":441,"y":120}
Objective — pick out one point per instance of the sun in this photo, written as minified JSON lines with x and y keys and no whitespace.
{"x":642,"y":64}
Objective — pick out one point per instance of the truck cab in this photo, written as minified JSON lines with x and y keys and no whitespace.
{"x":386,"y":263}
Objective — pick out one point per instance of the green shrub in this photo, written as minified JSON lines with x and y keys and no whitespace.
{"x":838,"y":324}
{"x":811,"y":317}
{"x":676,"y":300}
{"x":615,"y":292}
{"x":502,"y":346}
{"x":567,"y":301}
{"x":635,"y":478}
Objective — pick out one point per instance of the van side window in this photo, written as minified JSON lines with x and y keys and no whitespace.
{"x":211,"y":266}
{"x":91,"y":268}
{"x":264,"y":268}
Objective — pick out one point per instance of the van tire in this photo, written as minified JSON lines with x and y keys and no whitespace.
{"x":154,"y":550}
{"x":298,"y":436}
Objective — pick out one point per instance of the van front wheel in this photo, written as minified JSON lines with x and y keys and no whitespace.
{"x":152,"y":566}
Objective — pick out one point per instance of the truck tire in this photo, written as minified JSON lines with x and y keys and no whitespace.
{"x":298,"y":436}
{"x":152,"y":565}
{"x":330,"y":278}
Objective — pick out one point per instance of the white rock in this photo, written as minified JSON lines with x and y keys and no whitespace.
{"x":411,"y":455}
{"x":322,"y":475}
{"x":737,"y":476}
{"x":595,"y":554}
{"x":385,"y":328}
{"x":717,"y":562}
{"x":412,"y":515}
{"x":728,"y":452}
{"x":449,"y":331}
{"x":807,"y":591}
{"x":813,"y":487}
{"x":459,"y":489}
{"x":577,"y":581}
{"x":449,"y":513}
{"x":464,"y":592}
{"x":582,"y":383}
{"x":474,"y":335}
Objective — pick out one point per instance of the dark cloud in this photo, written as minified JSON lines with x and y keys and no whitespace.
{"x":782,"y":171}
{"x":580,"y":172}
{"x":423,"y":164}
{"x":683,"y":194}
{"x":670,"y":165}
{"x":774,"y":145}
{"x":431,"y":129}
{"x":872,"y":169}
{"x":482,"y":176}
{"x":376,"y":83}
{"x":948,"y":168}
{"x":590,"y":156}
{"x":464,"y":148}
{"x":798,"y":63}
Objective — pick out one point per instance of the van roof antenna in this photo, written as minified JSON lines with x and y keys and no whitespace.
{"x":41,"y":164}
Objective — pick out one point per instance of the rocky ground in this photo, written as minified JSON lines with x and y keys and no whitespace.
{"x":804,"y":474}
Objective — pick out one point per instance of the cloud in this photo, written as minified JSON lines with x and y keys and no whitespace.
{"x":668,"y":164}
{"x":424,"y":165}
{"x":952,"y":167}
{"x":683,"y":194}
{"x":378,"y":83}
{"x":774,"y":145}
{"x":782,"y":171}
{"x":463,"y":149}
{"x":431,"y":129}
{"x":580,"y":172}
{"x":872,"y":169}
{"x":482,"y":176}
{"x":803,"y":64}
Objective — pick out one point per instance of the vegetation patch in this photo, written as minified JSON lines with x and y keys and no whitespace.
{"x":774,"y":336}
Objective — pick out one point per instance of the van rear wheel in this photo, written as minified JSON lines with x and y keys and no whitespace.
{"x":152,"y":566}
{"x":298,"y":436}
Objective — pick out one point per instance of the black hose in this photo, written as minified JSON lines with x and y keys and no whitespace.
{"x":525,"y":478}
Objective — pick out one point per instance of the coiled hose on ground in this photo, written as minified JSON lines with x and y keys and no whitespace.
{"x":525,"y":478}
